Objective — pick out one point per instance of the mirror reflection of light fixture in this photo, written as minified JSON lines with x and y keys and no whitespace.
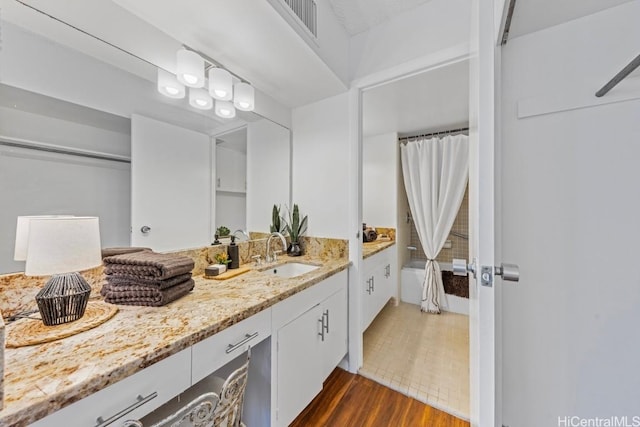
{"x":190,"y":68}
{"x":220,"y":84}
{"x":225,"y":109}
{"x":60,"y":247}
{"x":199,"y":98}
{"x":169,"y":86}
{"x":244,"y":96}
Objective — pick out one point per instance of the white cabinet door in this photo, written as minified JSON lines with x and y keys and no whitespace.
{"x":334,"y":346}
{"x":231,"y":170}
{"x":299,"y":365}
{"x":170,"y":186}
{"x":378,"y":285}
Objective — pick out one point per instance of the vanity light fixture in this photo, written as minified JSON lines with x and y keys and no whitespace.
{"x":169,"y":86}
{"x":190,"y":68}
{"x":225,"y":109}
{"x":244,"y":96}
{"x":220,"y":84}
{"x":230,"y":91}
{"x":199,"y":98}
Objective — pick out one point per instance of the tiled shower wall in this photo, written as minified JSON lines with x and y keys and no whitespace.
{"x":459,"y":246}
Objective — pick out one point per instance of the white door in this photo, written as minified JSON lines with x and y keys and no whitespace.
{"x":299,"y":365}
{"x":170,"y":186}
{"x":484,"y":343}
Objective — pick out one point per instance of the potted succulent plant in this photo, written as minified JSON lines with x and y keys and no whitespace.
{"x":277,"y":223}
{"x":295,"y":228}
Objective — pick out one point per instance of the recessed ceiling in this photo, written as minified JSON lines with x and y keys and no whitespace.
{"x":359,"y":15}
{"x":431,"y":101}
{"x":535,"y":15}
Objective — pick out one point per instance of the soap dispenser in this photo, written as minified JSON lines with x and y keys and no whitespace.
{"x":234,"y":254}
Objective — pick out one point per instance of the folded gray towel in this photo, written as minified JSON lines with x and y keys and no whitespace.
{"x":124,"y":280}
{"x":148,"y":265}
{"x":145,"y":296}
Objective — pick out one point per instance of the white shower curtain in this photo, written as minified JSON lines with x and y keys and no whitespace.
{"x":435,"y":175}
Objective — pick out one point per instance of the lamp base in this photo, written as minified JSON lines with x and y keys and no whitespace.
{"x":63,"y":299}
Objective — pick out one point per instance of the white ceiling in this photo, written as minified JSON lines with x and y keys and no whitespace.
{"x":359,"y":15}
{"x":430,"y":101}
{"x":534,"y":15}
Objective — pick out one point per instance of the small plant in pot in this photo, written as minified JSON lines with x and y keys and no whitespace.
{"x":278,"y":223}
{"x":295,"y":228}
{"x":223,"y":231}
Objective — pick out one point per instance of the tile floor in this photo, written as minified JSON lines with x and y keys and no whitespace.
{"x":425,"y":356}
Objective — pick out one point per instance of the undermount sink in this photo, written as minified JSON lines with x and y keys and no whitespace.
{"x":291,"y":269}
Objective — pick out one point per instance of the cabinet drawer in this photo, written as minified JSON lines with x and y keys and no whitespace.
{"x":219,"y":349}
{"x":156,"y":384}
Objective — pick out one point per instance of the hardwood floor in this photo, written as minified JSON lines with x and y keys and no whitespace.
{"x":352,"y":401}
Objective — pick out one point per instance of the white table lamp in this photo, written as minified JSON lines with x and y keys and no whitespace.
{"x":62,"y":246}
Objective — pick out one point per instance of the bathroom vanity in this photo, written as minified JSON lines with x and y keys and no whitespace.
{"x":379,"y":280}
{"x":141,"y":358}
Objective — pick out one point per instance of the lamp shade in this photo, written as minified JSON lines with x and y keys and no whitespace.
{"x":190,"y":68}
{"x":62,"y":245}
{"x":225,"y":109}
{"x":169,"y":86}
{"x":220,"y":84}
{"x":199,"y":98}
{"x":243,"y":97}
{"x":22,"y":234}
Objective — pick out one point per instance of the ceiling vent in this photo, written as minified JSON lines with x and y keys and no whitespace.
{"x":306,"y":11}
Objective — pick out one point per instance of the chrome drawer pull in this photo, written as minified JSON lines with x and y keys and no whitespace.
{"x":139,"y":402}
{"x":246,"y":339}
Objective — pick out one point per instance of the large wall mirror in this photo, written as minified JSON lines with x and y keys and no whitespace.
{"x":84,"y":131}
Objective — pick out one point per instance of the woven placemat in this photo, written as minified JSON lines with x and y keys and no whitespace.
{"x":32,"y":331}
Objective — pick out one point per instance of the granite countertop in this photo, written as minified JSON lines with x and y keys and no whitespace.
{"x":44,"y":378}
{"x":371,"y":248}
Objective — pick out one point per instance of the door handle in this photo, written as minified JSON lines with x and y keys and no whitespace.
{"x":509,"y":272}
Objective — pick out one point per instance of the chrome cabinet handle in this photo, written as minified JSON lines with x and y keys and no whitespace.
{"x":369,"y":286}
{"x":326,"y":325}
{"x":218,"y":182}
{"x":321,"y":333}
{"x":373,"y":284}
{"x":246,"y":339}
{"x":139,"y":402}
{"x":145,"y":229}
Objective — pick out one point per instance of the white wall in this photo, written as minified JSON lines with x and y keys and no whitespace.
{"x":321,"y":165}
{"x":379,"y":186}
{"x":434,"y":26}
{"x":268,"y":165}
{"x":571,"y":210}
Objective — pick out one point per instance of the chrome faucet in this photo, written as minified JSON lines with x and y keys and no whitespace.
{"x":244,"y":233}
{"x":274,"y":254}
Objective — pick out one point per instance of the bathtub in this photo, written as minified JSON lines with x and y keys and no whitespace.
{"x":411,"y":278}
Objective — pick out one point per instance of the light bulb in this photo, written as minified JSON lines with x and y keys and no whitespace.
{"x":244,"y":96}
{"x":169,"y":86}
{"x":220,"y":84}
{"x":171,"y":90}
{"x":199,"y":98}
{"x":225,"y":109}
{"x":190,"y":68}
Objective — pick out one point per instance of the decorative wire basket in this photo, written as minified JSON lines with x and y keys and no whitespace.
{"x":63,"y":299}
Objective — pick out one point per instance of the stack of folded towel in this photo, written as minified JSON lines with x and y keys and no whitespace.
{"x":147,"y":278}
